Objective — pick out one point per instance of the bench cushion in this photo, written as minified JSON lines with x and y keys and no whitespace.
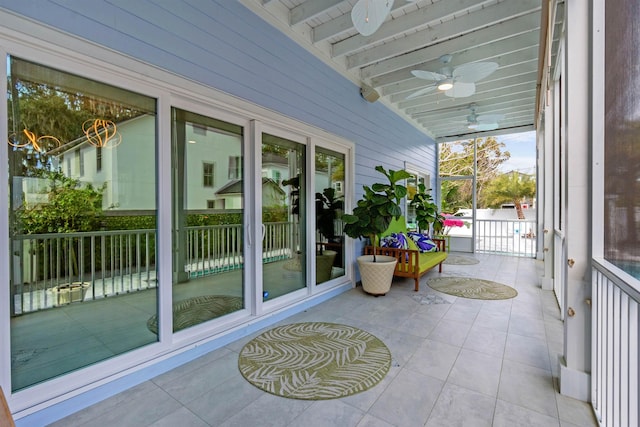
{"x":429,"y":260}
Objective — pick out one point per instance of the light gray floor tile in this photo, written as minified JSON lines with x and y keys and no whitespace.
{"x":527,"y":350}
{"x":224,"y":401}
{"x":142,"y":411}
{"x":408,"y":400}
{"x":528,"y":387}
{"x":194,"y":384}
{"x":527,"y":326}
{"x":508,"y":415}
{"x":268,"y":410}
{"x":450,"y":361}
{"x":462,"y":313}
{"x":476,"y":371}
{"x":328,"y":413}
{"x":486,"y":340}
{"x":371,"y":421}
{"x":458,"y":406}
{"x":434,"y":358}
{"x":450,"y":332}
{"x":575,"y":411}
{"x":181,"y":417}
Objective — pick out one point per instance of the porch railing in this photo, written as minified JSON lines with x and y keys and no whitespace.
{"x":615,"y":391}
{"x":508,"y":237}
{"x":56,"y":269}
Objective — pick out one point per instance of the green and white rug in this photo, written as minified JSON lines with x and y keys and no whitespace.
{"x":469,"y":287}
{"x":314,"y":361}
{"x":193,"y":311}
{"x":455,"y":259}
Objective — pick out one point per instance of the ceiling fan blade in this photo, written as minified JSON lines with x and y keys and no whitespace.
{"x":490,"y":118}
{"x":473,"y":71}
{"x":428,"y":75}
{"x":421,"y":92}
{"x":368,"y":15}
{"x":461,"y":90}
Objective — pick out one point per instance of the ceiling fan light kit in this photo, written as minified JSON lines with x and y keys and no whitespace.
{"x":445,"y":84}
{"x":456,"y":82}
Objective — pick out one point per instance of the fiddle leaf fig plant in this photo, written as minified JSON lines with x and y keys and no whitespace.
{"x":427,"y":215}
{"x":378,"y":206}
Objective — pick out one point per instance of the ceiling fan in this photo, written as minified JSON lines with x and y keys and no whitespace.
{"x":483,"y":122}
{"x":455,"y":82}
{"x":368,"y":15}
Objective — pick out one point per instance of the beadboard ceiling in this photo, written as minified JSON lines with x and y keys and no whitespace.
{"x":415,"y":36}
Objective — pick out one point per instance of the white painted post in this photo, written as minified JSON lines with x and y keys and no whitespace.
{"x":576,"y":364}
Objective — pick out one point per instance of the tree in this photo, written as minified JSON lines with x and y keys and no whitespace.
{"x":456,"y":159}
{"x":511,"y":187}
{"x":46,"y":111}
{"x":70,"y":207}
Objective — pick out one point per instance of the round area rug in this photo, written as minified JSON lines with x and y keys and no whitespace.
{"x":314,"y":361}
{"x":192,"y":311}
{"x":460,"y":260}
{"x":467,"y":287}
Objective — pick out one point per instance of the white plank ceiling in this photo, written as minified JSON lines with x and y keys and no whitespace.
{"x":415,"y":36}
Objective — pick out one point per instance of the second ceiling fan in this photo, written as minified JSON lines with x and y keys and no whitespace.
{"x":368,"y":15}
{"x":455,"y":82}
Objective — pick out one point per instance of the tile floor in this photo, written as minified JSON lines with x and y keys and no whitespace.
{"x":456,"y":362}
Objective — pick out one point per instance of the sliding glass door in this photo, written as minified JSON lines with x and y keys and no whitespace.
{"x":82,"y":209}
{"x":208,"y":199}
{"x":284,"y":213}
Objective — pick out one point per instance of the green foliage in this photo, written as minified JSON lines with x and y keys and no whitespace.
{"x":451,"y":201}
{"x":378,"y":206}
{"x":511,"y":188}
{"x":427,"y":214}
{"x":71,"y":207}
{"x":457,"y":159}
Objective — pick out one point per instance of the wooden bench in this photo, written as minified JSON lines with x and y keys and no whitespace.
{"x":6,"y":420}
{"x":411,"y":262}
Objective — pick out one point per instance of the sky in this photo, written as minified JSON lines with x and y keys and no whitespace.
{"x":522,"y":147}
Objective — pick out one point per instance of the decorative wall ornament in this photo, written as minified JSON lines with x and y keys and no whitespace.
{"x":41,"y":144}
{"x":102,"y":133}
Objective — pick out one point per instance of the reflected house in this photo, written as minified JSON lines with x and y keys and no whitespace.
{"x":231,"y":194}
{"x":122,"y":166}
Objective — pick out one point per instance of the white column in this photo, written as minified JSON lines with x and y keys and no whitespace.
{"x":545,"y":189}
{"x":575,"y":366}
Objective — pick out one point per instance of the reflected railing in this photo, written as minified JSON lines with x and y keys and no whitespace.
{"x":51,"y":270}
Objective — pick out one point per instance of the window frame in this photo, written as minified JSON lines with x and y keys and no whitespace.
{"x":28,"y":40}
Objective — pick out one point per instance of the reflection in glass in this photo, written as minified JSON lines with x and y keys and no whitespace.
{"x":329,"y":181}
{"x":208,"y":221}
{"x":82,"y":214}
{"x":283,"y":216}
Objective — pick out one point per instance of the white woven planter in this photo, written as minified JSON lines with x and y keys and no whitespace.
{"x":376,"y":276}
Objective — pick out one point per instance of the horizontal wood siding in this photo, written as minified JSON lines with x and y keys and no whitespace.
{"x":224,"y":45}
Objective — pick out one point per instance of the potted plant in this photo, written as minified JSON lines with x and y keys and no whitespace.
{"x":328,"y":207}
{"x":371,"y":217}
{"x":427,"y":216}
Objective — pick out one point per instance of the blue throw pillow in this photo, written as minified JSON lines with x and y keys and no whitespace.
{"x":395,"y":240}
{"x":424,"y":243}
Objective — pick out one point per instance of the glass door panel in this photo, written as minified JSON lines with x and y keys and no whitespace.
{"x":207,"y":181}
{"x":82,"y":212}
{"x":329,"y":197}
{"x":284,"y":211}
